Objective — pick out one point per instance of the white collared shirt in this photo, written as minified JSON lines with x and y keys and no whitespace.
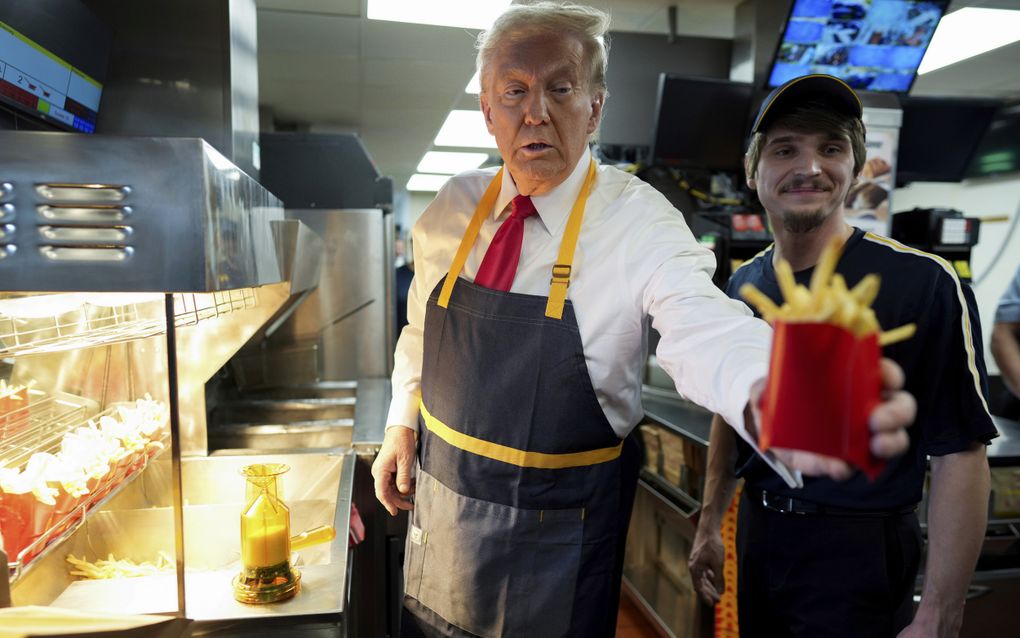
{"x":635,"y":258}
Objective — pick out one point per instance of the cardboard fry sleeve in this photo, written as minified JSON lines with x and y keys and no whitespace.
{"x":823,"y":384}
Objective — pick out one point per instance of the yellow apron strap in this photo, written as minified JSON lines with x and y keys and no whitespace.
{"x":484,"y":208}
{"x":560,"y":280}
{"x":561,"y":269}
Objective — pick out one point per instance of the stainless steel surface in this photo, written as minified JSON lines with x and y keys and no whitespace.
{"x":94,"y":235}
{"x":83,"y":193}
{"x":340,"y":330}
{"x":184,"y":68}
{"x":197,"y":223}
{"x":279,"y":412}
{"x":176,"y":481}
{"x":315,"y":416}
{"x":135,"y":525}
{"x":370,"y":414}
{"x":73,"y":214}
{"x":687,"y":419}
{"x":83,"y":256}
{"x":1005,"y":449}
{"x":324,"y":390}
{"x":300,"y":252}
{"x":314,"y":435}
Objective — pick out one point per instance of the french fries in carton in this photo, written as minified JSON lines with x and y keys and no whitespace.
{"x":824,"y":377}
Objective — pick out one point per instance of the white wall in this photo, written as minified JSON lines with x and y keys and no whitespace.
{"x":990,"y":196}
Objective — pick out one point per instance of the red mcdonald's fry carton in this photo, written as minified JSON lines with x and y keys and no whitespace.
{"x":823,"y":384}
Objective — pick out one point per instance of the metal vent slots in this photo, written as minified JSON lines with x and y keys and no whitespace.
{"x":88,"y":223}
{"x":6,"y":216}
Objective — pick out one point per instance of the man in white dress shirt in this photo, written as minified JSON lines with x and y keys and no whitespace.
{"x":514,"y":389}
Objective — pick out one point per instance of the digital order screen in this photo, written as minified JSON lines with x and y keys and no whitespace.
{"x":35,"y":80}
{"x":873,"y":45}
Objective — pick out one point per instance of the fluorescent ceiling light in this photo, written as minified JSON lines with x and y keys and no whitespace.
{"x":474,"y":85}
{"x":450,"y":163}
{"x":469,"y":14}
{"x":465,"y":128}
{"x":428,"y":183}
{"x":968,"y":32}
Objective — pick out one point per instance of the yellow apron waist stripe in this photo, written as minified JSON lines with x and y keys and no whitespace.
{"x":513,"y":456}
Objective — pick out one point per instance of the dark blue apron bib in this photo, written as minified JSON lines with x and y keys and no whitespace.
{"x":523,"y":489}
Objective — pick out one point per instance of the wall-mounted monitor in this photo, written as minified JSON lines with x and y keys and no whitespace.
{"x":53,"y":60}
{"x":939,"y":135}
{"x":874,"y":45}
{"x":999,"y":149}
{"x":701,"y":123}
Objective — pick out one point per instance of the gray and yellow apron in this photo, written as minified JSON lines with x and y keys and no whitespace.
{"x":523,"y":488}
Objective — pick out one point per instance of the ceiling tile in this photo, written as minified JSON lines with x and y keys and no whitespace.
{"x":309,"y":34}
{"x":399,"y":40}
{"x":341,"y":7}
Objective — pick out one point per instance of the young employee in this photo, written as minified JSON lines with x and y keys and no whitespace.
{"x":840,"y":558}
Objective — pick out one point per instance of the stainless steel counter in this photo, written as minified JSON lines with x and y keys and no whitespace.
{"x":694,"y":423}
{"x":689,"y":420}
{"x":1005,"y":449}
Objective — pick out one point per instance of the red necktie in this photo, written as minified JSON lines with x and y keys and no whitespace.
{"x":500,"y":263}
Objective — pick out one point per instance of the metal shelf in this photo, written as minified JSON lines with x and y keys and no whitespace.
{"x":54,"y":522}
{"x":104,"y":319}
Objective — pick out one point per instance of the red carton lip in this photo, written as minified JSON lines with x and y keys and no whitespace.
{"x":823,"y":384}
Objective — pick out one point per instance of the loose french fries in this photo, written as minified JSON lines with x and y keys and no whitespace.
{"x":827,"y":300}
{"x":125,"y":568}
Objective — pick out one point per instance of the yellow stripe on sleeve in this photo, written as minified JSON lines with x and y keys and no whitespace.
{"x":968,"y":335}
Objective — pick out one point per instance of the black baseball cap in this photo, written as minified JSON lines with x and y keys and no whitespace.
{"x":807,"y":87}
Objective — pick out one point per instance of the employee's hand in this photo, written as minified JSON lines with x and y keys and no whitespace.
{"x":393,"y":469}
{"x":889,"y":422}
{"x":706,"y":565}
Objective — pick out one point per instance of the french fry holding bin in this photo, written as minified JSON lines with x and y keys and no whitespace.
{"x":824,"y":377}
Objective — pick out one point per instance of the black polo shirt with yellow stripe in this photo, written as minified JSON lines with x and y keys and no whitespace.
{"x":943,"y":363}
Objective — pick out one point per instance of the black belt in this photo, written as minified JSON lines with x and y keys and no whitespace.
{"x":788,"y":505}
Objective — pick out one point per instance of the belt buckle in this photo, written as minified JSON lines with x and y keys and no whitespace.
{"x":781,"y":504}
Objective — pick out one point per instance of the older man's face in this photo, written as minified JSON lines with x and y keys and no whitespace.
{"x":538,"y":103}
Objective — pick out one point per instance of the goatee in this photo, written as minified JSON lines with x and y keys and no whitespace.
{"x":803,"y":223}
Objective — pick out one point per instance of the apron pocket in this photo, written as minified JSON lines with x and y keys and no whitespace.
{"x":491,"y":569}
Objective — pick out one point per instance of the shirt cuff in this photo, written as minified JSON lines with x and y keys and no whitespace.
{"x":404,"y":411}
{"x":741,"y":391}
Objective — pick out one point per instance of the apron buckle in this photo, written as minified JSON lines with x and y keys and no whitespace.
{"x":561,"y":274}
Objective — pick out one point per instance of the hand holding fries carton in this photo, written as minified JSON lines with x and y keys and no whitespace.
{"x":824,"y":377}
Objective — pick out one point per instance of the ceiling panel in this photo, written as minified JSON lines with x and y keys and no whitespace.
{"x":709,"y":19}
{"x":324,"y":66}
{"x":399,"y":40}
{"x":993,"y":74}
{"x":440,"y":75}
{"x":340,"y":7}
{"x":309,"y":35}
